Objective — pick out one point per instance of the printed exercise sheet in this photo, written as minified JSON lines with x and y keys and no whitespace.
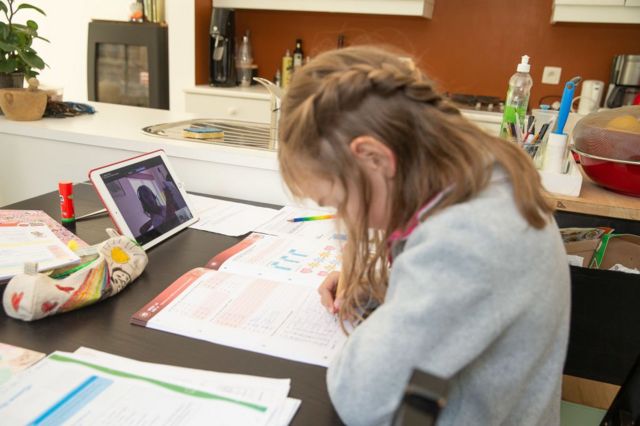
{"x":36,"y":243}
{"x":227,"y":217}
{"x":317,"y":229}
{"x":285,"y":258}
{"x":95,"y":389}
{"x":276,"y":318}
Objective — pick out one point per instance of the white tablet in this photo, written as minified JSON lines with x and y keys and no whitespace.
{"x":144,"y":198}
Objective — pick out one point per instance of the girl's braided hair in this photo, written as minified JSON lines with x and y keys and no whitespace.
{"x":366,"y":91}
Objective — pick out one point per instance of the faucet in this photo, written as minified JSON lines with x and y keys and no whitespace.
{"x":276,"y":101}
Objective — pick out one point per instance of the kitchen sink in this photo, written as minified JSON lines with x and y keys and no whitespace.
{"x":240,"y":134}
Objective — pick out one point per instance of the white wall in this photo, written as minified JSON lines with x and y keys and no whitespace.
{"x":66,"y":26}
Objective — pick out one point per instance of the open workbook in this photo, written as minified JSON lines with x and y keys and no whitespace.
{"x":259,"y":295}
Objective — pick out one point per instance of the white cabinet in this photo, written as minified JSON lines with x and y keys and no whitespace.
{"x":377,"y":7}
{"x":603,"y":11}
{"x":233,"y":103}
{"x":254,"y":104}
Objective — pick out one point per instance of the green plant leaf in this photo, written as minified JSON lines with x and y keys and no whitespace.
{"x":3,"y":7}
{"x":32,"y":24}
{"x":24,"y":29}
{"x":30,"y":6}
{"x":31,"y":59}
{"x":9,"y":65}
{"x":8,"y":47}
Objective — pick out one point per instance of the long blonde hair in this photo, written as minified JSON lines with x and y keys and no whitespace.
{"x":365,"y":91}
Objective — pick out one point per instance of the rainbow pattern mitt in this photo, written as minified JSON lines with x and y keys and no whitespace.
{"x":111,"y":266}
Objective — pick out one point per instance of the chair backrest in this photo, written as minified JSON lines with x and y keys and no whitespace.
{"x":625,"y":408}
{"x":424,"y":397}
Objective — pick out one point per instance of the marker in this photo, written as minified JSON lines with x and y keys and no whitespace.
{"x":310,"y":218}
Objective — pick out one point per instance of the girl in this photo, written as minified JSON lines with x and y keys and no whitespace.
{"x":466,"y":265}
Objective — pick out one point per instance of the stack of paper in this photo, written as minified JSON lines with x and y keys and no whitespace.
{"x":22,"y":244}
{"x":226,"y":217}
{"x":92,"y":387}
{"x":14,"y":359}
{"x":38,"y":217}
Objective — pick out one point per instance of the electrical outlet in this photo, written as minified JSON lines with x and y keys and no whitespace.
{"x":551,"y":75}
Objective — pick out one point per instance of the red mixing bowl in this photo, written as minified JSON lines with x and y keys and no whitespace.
{"x":616,"y":175}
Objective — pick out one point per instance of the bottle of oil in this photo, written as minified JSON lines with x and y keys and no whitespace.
{"x":517,"y":102}
{"x":298,"y":55}
{"x":287,"y":69}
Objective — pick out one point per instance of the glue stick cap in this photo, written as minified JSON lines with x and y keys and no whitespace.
{"x":524,"y":65}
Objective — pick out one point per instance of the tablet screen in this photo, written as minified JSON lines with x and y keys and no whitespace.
{"x":147,"y":198}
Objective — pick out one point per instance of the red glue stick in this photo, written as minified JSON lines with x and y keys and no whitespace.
{"x":67,"y":211}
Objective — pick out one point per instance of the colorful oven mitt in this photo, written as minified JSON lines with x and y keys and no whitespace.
{"x":114,"y":264}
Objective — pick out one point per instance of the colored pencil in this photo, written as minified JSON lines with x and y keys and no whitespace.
{"x":310,"y":218}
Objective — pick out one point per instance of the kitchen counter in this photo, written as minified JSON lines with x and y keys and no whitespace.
{"x":598,"y":201}
{"x":66,"y":149}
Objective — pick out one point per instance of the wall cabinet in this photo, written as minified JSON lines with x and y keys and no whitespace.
{"x":422,"y":8}
{"x":596,"y":11}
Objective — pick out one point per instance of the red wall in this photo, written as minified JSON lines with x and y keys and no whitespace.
{"x":468,"y":46}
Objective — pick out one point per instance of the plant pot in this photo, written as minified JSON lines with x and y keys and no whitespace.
{"x":14,"y":80}
{"x":23,"y":104}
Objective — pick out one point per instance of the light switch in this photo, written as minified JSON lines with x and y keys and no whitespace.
{"x":551,"y":75}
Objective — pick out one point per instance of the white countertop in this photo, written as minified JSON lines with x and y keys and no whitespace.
{"x":120,"y":127}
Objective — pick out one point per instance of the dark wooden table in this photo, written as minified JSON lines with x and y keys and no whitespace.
{"x":105,"y":326}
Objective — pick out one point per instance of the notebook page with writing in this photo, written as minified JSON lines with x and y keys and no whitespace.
{"x":275,"y":318}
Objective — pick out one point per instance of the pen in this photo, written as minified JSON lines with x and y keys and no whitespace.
{"x":92,"y":214}
{"x":310,"y":218}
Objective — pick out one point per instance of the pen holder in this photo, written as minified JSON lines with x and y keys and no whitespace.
{"x":554,"y":155}
{"x":555,"y":178}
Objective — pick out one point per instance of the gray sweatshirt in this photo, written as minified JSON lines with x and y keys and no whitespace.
{"x":477,"y":296}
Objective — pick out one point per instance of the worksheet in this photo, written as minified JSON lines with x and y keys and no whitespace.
{"x":281,"y":224}
{"x":31,"y":243}
{"x":82,"y":388}
{"x":284,"y":258}
{"x":14,"y":359}
{"x":283,"y":319}
{"x":227,"y":217}
{"x":38,"y":217}
{"x":239,"y":385}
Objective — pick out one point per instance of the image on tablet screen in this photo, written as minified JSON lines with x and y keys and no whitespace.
{"x":148,"y":198}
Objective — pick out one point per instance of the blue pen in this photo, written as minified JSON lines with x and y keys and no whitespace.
{"x":565,"y":103}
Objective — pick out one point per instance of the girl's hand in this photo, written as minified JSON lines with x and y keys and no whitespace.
{"x":328,"y":291}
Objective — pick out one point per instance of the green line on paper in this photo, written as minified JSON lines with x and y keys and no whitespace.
{"x":170,"y":386}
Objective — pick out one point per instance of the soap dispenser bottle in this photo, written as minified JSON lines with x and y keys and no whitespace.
{"x":517,"y":102}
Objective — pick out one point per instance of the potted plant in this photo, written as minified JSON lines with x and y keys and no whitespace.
{"x":18,"y":58}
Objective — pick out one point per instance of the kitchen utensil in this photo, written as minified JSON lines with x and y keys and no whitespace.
{"x":624,"y":85}
{"x":222,"y":48}
{"x":608,"y":146}
{"x":590,"y":96}
{"x":616,"y":175}
{"x":612,"y":134}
